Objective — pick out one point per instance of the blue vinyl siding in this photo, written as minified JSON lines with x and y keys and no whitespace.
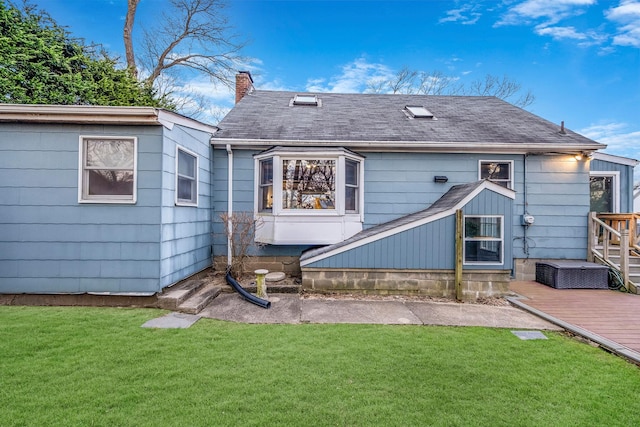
{"x":626,"y":181}
{"x":429,"y":246}
{"x":243,"y":192}
{"x":186,"y":230}
{"x":557,"y":193}
{"x":397,"y":184}
{"x":49,"y":243}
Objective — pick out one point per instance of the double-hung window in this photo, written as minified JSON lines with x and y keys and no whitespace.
{"x":186,"y":177}
{"x":107,"y":172}
{"x":308,"y":196}
{"x":265,"y":185}
{"x":483,"y":239}
{"x":497,"y":171}
{"x":352,"y":185}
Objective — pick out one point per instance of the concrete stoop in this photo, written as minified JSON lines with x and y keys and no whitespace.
{"x":193,"y":295}
{"x":189,"y":297}
{"x":200,"y":299}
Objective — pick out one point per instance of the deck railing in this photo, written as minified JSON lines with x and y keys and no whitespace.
{"x":612,"y":234}
{"x":623,"y":221}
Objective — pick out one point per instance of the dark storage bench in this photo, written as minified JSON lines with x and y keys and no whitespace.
{"x":572,"y":274}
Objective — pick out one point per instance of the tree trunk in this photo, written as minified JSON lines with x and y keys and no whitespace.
{"x":132,"y":5}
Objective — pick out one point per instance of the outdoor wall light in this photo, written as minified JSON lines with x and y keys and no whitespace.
{"x":441,"y":179}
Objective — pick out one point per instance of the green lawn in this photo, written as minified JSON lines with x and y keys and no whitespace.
{"x":97,"y":366}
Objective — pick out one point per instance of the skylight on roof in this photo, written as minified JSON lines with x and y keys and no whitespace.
{"x":305,"y":100}
{"x":418,"y":111}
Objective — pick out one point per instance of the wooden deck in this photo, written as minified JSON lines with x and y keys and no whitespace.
{"x":612,"y":315}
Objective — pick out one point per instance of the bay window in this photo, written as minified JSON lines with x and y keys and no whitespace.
{"x":308,"y":183}
{"x":351,"y":193}
{"x":265,"y":186}
{"x":308,"y":196}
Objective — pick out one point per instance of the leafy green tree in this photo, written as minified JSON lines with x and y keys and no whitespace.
{"x":40,"y":63}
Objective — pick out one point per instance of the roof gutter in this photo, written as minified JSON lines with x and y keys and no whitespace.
{"x":419,"y":146}
{"x":78,"y":114}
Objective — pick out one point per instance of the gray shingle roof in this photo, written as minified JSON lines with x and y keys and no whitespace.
{"x":270,"y":117}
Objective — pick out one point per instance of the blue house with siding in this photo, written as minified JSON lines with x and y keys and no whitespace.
{"x":105,"y":200}
{"x":344,"y":186}
{"x":349,"y":191}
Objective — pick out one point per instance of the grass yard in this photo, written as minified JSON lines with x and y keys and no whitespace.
{"x":97,"y":366}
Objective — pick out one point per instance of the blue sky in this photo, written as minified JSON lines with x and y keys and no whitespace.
{"x":580,"y":58}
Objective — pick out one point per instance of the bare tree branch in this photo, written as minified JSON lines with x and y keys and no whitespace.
{"x":191,"y":37}
{"x":192,"y":34}
{"x":407,"y":81}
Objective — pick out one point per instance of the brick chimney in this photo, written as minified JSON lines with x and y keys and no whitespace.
{"x":244,"y":84}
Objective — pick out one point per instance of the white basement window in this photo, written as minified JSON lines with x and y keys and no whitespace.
{"x":483,"y":240}
{"x":308,"y":196}
{"x":107,"y":170}
{"x":186,"y":177}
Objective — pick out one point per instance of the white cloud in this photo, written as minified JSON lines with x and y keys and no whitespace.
{"x":620,"y":139}
{"x":467,"y":14}
{"x":275,"y":84}
{"x":627,"y":17}
{"x":552,"y":11}
{"x":560,"y":32}
{"x":354,"y":77}
{"x":546,"y":14}
{"x":588,"y":38}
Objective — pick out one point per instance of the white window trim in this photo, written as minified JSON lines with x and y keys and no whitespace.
{"x":82,"y":198}
{"x":339,"y":209}
{"x":464,"y":246}
{"x":512,"y":173}
{"x":308,"y":226}
{"x":185,"y":202}
{"x":616,"y":186}
{"x":357,"y":185}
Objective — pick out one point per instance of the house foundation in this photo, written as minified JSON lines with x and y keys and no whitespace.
{"x":290,"y":265}
{"x":525,"y":269}
{"x":435,"y":283}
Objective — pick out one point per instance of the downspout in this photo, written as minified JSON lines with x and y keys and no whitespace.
{"x":525,"y":243}
{"x":229,"y":206}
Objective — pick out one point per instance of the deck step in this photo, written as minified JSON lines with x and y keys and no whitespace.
{"x":199,"y":300}
{"x":171,"y":298}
